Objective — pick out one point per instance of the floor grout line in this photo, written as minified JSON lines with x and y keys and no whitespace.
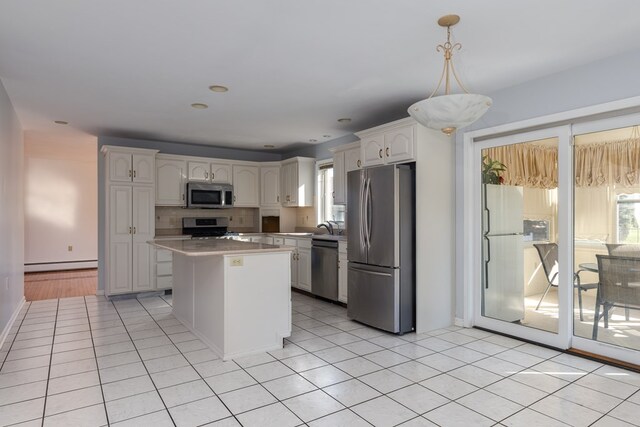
{"x":46,"y":392}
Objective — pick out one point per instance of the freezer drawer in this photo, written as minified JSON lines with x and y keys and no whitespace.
{"x":374,"y":296}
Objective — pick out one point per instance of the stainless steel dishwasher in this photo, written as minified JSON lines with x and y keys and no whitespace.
{"x":324,"y":268}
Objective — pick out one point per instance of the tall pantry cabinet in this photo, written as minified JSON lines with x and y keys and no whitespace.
{"x":129,"y":219}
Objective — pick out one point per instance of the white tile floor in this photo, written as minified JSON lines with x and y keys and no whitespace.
{"x":92,"y":362}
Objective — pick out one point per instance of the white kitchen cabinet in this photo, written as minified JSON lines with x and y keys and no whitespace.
{"x":342,"y":272}
{"x":129,"y":219}
{"x":125,"y":166}
{"x":269,"y":186}
{"x":345,"y":159}
{"x":246,"y":186}
{"x":300,"y":262}
{"x":391,"y":143}
{"x":297,"y":182}
{"x":164,"y":269}
{"x":202,"y":170}
{"x":171,"y":178}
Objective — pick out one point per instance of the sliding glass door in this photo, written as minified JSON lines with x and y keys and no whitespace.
{"x":606,"y":248}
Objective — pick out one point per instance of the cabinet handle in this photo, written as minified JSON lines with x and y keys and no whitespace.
{"x":387,"y":151}
{"x":206,"y":175}
{"x":130,"y":230}
{"x":130,"y":173}
{"x":234,"y":198}
{"x":182,"y":196}
{"x":213,"y":176}
{"x":134,"y":230}
{"x":380,"y":153}
{"x":134,"y":173}
{"x":359,"y":163}
{"x":278,"y":199}
{"x":333,"y":194}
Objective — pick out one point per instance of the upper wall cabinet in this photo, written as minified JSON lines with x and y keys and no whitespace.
{"x":246,"y":186}
{"x":171,"y":175}
{"x":391,"y":143}
{"x":297,"y":177}
{"x":345,"y":159}
{"x":125,"y":166}
{"x":204,"y":171}
{"x":270,"y":186}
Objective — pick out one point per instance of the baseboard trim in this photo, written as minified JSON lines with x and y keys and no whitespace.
{"x":12,"y":320}
{"x":57,"y":266}
{"x":458,"y":322}
{"x":100,"y":292}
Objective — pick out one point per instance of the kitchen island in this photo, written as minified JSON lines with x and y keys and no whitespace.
{"x":235,"y":296}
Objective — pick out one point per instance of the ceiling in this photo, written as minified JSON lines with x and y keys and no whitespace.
{"x":132,"y":68}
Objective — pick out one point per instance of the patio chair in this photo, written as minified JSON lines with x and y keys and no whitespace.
{"x":619,"y":287}
{"x":548,"y":253}
{"x":624,"y":250}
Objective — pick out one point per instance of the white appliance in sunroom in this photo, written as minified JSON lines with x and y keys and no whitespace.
{"x":503,"y":250}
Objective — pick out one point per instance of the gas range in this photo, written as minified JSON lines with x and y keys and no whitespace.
{"x":206,"y":228}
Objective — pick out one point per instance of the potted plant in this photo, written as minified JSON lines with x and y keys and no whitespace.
{"x":491,"y":170}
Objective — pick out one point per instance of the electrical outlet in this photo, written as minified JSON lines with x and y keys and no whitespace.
{"x":69,"y":248}
{"x":236,"y":262}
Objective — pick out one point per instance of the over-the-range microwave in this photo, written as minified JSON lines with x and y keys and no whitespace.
{"x":211,"y":196}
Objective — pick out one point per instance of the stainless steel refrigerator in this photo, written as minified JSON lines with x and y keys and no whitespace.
{"x":381,"y":251}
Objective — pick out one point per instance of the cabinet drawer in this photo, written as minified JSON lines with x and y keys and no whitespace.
{"x":163,"y":255}
{"x":304,"y":243}
{"x":164,"y":269}
{"x":164,"y":282}
{"x":291,"y":242}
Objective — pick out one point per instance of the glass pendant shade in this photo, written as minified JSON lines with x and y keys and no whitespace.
{"x":450,"y":112}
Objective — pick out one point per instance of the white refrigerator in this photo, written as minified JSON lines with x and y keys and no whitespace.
{"x":503,"y":253}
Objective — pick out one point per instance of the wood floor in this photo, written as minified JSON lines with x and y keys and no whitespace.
{"x":60,"y":284}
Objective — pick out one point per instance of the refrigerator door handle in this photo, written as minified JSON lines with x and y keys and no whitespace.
{"x":486,"y":263}
{"x":362,"y":219}
{"x":369,"y":208}
{"x":374,"y":273}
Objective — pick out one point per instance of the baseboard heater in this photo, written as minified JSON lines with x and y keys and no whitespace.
{"x":61,"y":265}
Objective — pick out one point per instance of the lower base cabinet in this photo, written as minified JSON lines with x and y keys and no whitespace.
{"x":342,"y":272}
{"x":300,"y":263}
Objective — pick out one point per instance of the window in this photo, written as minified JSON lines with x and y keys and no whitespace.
{"x":628,"y":213}
{"x":327,"y":211}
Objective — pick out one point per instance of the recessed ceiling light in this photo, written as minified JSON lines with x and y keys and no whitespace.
{"x":326,"y":136}
{"x":269,"y":146}
{"x":218,"y":88}
{"x":199,"y":106}
{"x":313,"y":140}
{"x":344,"y":120}
{"x":61,"y":122}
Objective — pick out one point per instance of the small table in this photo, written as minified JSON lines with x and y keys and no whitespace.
{"x":589,"y":266}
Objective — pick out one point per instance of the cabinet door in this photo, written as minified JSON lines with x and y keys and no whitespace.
{"x":339,"y":179}
{"x":144,"y":170}
{"x":221,"y":172}
{"x":198,"y":171}
{"x":293,"y":184}
{"x":120,"y":168}
{"x":372,"y":150}
{"x":352,"y":160}
{"x":399,"y":144}
{"x":120,"y":240}
{"x":342,"y":278}
{"x":285,"y":186}
{"x":170,"y":182}
{"x":294,"y":269}
{"x":304,"y":269}
{"x":270,"y":186}
{"x":246,"y":181}
{"x":143,"y":231}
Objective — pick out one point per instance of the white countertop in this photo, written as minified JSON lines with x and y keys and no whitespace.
{"x":209,"y":247}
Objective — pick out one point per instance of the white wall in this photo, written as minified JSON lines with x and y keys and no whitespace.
{"x":61,"y":202}
{"x":11,"y":214}
{"x":599,"y":82}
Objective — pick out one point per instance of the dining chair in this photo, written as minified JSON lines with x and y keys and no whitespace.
{"x":619,"y":286}
{"x":624,"y":250}
{"x":548,"y":253}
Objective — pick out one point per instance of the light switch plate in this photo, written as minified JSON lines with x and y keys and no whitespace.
{"x":236,"y":261}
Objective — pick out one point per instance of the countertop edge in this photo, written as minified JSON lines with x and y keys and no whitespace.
{"x":223,"y":252}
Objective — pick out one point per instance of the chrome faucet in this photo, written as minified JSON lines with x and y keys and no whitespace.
{"x":337,"y":225}
{"x":326,"y":225}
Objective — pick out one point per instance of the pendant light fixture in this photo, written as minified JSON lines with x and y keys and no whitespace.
{"x":449,"y":112}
